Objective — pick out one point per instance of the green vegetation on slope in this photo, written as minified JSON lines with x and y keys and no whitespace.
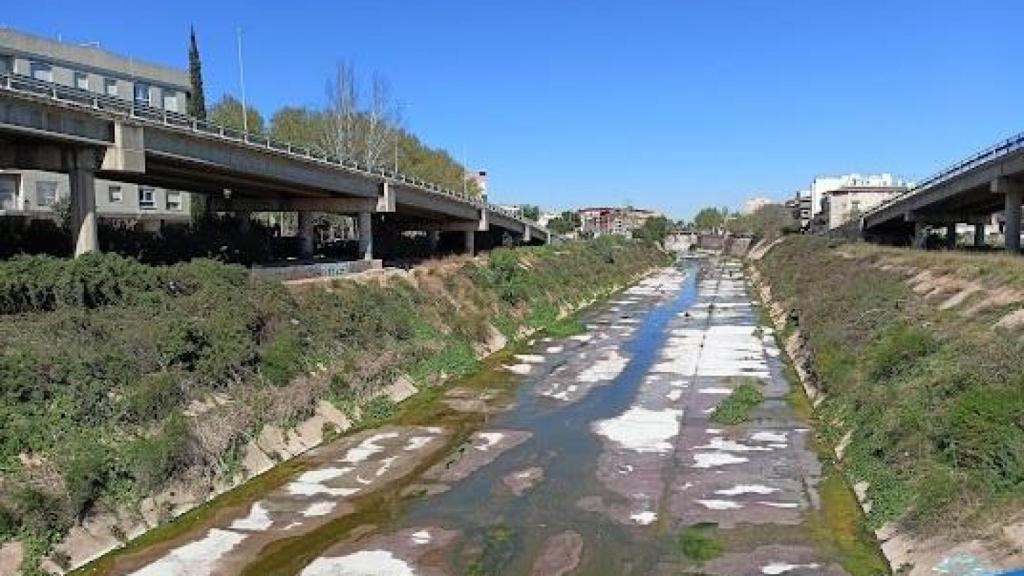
{"x":119,"y":379}
{"x":738,"y":405}
{"x":933,"y":398}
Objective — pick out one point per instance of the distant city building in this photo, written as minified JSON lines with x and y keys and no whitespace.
{"x":598,"y":221}
{"x":515,"y":209}
{"x":848,"y":202}
{"x":800,"y":206}
{"x":752,"y":205}
{"x":479,"y":177}
{"x":32,"y":193}
{"x":823,"y":185}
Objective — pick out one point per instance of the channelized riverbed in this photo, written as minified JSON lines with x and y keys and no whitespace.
{"x":591,"y":454}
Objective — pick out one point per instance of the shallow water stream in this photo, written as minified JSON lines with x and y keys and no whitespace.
{"x":590,"y":454}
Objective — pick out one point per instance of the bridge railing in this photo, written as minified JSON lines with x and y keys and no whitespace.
{"x":143,"y":112}
{"x":993,"y":152}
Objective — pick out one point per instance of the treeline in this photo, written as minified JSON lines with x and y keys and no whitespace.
{"x":769,"y":221}
{"x":108,"y":366}
{"x":364,"y":129}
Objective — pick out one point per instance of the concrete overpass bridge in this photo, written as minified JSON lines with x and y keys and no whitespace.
{"x":52,"y":127}
{"x":968,"y":192}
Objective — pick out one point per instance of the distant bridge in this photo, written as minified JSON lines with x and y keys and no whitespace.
{"x":968,"y":192}
{"x":52,"y":127}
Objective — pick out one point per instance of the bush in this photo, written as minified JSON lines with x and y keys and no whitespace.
{"x":897,"y":351}
{"x":155,"y":396}
{"x":152,"y":461}
{"x":737,"y":406}
{"x":699,"y":542}
{"x":281,"y":359}
{"x":378,"y":409}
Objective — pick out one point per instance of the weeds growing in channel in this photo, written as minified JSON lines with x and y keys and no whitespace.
{"x":737,"y":406}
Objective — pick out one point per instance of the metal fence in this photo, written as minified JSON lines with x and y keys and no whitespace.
{"x":146,"y":114}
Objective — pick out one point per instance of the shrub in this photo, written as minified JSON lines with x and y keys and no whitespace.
{"x":378,"y":409}
{"x":155,"y":396}
{"x":897,"y":350}
{"x":281,"y":359}
{"x":699,"y":542}
{"x":737,"y":406}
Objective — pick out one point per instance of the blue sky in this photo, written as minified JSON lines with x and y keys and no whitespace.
{"x":672,"y":105}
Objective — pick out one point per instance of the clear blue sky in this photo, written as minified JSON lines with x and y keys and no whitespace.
{"x":668,"y":104}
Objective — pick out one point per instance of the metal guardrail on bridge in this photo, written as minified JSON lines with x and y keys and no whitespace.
{"x":145,"y":113}
{"x":996,"y":151}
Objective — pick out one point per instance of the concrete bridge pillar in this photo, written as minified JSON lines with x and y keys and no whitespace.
{"x":920,"y":235}
{"x":244,"y":221}
{"x":951,"y":236}
{"x":1013,"y":193}
{"x":1012,"y":216}
{"x":305,"y":234}
{"x":470,"y":242}
{"x":433,"y":239}
{"x":81,"y":165}
{"x":979,"y":235}
{"x":365,"y":236}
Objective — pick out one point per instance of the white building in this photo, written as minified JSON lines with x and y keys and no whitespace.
{"x":848,"y":202}
{"x":754,"y":204}
{"x":823,"y":185}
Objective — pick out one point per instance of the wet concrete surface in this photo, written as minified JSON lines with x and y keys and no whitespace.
{"x":603,"y":457}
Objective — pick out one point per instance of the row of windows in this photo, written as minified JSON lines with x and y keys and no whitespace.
{"x":142,"y":92}
{"x":46,"y":195}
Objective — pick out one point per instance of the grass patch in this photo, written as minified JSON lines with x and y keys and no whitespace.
{"x":700,"y":543}
{"x":736,"y":407}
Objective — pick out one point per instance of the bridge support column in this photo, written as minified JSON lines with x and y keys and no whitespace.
{"x":365,"y":236}
{"x":305,"y":234}
{"x":433,"y":239}
{"x":951,"y":236}
{"x":470,"y":242}
{"x":244,"y":221}
{"x":81,"y":164}
{"x":979,"y":235}
{"x":1012,"y":216}
{"x":920,"y":235}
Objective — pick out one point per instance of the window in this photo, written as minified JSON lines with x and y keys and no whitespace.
{"x":173,"y":200}
{"x":147,"y":199}
{"x":41,"y":71}
{"x":81,"y":80}
{"x":170,"y":100}
{"x":115,"y":194}
{"x":8,"y":191}
{"x":110,"y":87}
{"x":46,"y":193}
{"x":142,"y":93}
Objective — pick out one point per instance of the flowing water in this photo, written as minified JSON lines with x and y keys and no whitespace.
{"x":591,"y":454}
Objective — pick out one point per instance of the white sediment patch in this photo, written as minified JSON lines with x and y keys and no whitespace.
{"x":608,"y":367}
{"x":385,"y":465}
{"x":530,"y":358}
{"x":641,"y":430}
{"x":319,"y":508}
{"x":721,"y":444}
{"x":715,"y":390}
{"x":367,"y":447}
{"x":644,"y":518}
{"x":417,"y":442}
{"x":713,"y":459}
{"x":197,"y":558}
{"x":783,"y":567}
{"x":719,"y":504}
{"x":747,"y":489}
{"x":490,"y":440}
{"x":362,"y":563}
{"x":778,"y":437}
{"x":257,"y":520}
{"x":554,"y":349}
{"x":582,"y":337}
{"x":420,"y":537}
{"x":713,"y":430}
{"x":518,"y":369}
{"x":312,"y":483}
{"x":779,"y":504}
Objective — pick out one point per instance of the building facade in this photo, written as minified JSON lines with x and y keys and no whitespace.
{"x":598,"y":221}
{"x":823,"y":185}
{"x":849,"y":202}
{"x":33,"y":194}
{"x":752,"y":205}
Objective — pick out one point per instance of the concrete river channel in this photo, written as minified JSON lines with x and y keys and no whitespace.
{"x":588,"y":454}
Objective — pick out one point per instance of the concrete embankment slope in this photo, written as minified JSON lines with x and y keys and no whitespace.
{"x":912,"y":360}
{"x":137,"y":393}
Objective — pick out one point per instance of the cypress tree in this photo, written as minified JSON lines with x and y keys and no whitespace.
{"x":196,"y":104}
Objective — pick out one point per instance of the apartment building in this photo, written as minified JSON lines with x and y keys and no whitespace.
{"x":848,"y":202}
{"x":598,"y":221}
{"x":33,"y":194}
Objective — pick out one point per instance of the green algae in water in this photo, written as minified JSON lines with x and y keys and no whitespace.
{"x":500,"y":547}
{"x":700,"y":542}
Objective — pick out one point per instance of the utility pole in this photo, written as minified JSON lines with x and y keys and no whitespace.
{"x":241,"y":78}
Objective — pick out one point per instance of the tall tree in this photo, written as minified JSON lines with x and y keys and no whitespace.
{"x":197,"y":103}
{"x":228,"y":112}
